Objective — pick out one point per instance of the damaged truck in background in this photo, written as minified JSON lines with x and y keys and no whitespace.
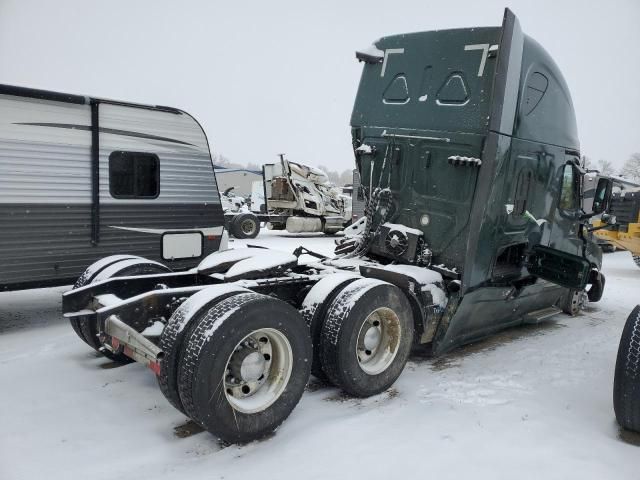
{"x":467,"y":148}
{"x":297,"y":198}
{"x":300,"y":199}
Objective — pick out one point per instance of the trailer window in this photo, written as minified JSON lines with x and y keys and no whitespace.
{"x":134,"y":175}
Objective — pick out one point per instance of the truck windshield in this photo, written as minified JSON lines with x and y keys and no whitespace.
{"x":438,"y":80}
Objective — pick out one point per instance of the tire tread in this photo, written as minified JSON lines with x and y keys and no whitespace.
{"x":626,"y":390}
{"x":194,"y":343}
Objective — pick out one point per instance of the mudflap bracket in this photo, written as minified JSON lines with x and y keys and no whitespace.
{"x":133,"y":344}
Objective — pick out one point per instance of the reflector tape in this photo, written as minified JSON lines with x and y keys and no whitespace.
{"x":155,"y":367}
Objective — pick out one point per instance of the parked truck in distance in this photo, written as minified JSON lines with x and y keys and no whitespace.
{"x":467,"y":148}
{"x":300,"y":198}
{"x":292,"y":197}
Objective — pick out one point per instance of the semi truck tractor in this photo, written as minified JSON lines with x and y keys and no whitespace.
{"x":467,"y":148}
{"x":295,"y":197}
{"x":301,"y":199}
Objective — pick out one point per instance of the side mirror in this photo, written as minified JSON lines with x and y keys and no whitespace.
{"x":602,"y":196}
{"x":608,"y":219}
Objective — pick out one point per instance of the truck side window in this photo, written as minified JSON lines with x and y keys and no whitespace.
{"x":568,"y":197}
{"x":134,"y":175}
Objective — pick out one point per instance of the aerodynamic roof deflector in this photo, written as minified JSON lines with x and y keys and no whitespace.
{"x":507,"y":76}
{"x":503,"y":111}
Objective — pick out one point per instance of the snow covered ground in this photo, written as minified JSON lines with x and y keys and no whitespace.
{"x":532,"y":402}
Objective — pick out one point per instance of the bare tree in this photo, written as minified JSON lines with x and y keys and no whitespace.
{"x":220,"y":160}
{"x":631,"y":168}
{"x":334,"y":177}
{"x":254,"y":166}
{"x":346,"y":177}
{"x":605,"y":167}
{"x":338,"y":178}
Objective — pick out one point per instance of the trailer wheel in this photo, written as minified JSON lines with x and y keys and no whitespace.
{"x":87,"y":277}
{"x":366,"y":338}
{"x":245,"y":225}
{"x":179,"y":327}
{"x":626,"y":385}
{"x":245,"y":366}
{"x":636,"y":259}
{"x":122,"y":268}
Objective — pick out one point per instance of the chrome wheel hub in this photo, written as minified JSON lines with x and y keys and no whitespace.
{"x":372,"y":338}
{"x":247,"y":227}
{"x":253,"y":367}
{"x":258,"y":370}
{"x":378,"y":341}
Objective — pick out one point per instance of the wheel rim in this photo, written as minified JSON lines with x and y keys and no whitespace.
{"x":576,"y":301}
{"x":258,"y":370}
{"x":378,"y":341}
{"x":248,"y":226}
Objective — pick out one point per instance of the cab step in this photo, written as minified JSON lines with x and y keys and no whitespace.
{"x":537,"y":316}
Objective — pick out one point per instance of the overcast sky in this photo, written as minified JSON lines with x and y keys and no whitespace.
{"x":266,"y":77}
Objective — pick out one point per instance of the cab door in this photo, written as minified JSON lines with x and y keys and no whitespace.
{"x":559,"y":257}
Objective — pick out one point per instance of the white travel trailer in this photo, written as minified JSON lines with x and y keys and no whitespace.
{"x":82,"y":178}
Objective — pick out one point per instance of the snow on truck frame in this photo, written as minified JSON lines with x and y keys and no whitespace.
{"x":82,"y":178}
{"x":467,"y":148}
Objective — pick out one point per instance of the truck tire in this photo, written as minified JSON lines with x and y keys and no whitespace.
{"x":87,"y":277}
{"x":366,"y":338}
{"x":245,"y":225}
{"x":598,"y":282}
{"x":179,"y":327}
{"x":122,"y":268}
{"x":636,"y":259}
{"x":314,"y":312}
{"x":245,"y":366}
{"x":626,"y":385}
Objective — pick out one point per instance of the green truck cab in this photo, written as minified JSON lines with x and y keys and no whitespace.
{"x":466,"y":146}
{"x":468,"y":138}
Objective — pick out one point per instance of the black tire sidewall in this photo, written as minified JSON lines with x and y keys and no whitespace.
{"x":346,"y":371}
{"x":236,"y":226}
{"x":211,"y":407}
{"x":85,"y":279}
{"x":315,"y":317}
{"x":626,"y":385}
{"x":171,"y":343}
